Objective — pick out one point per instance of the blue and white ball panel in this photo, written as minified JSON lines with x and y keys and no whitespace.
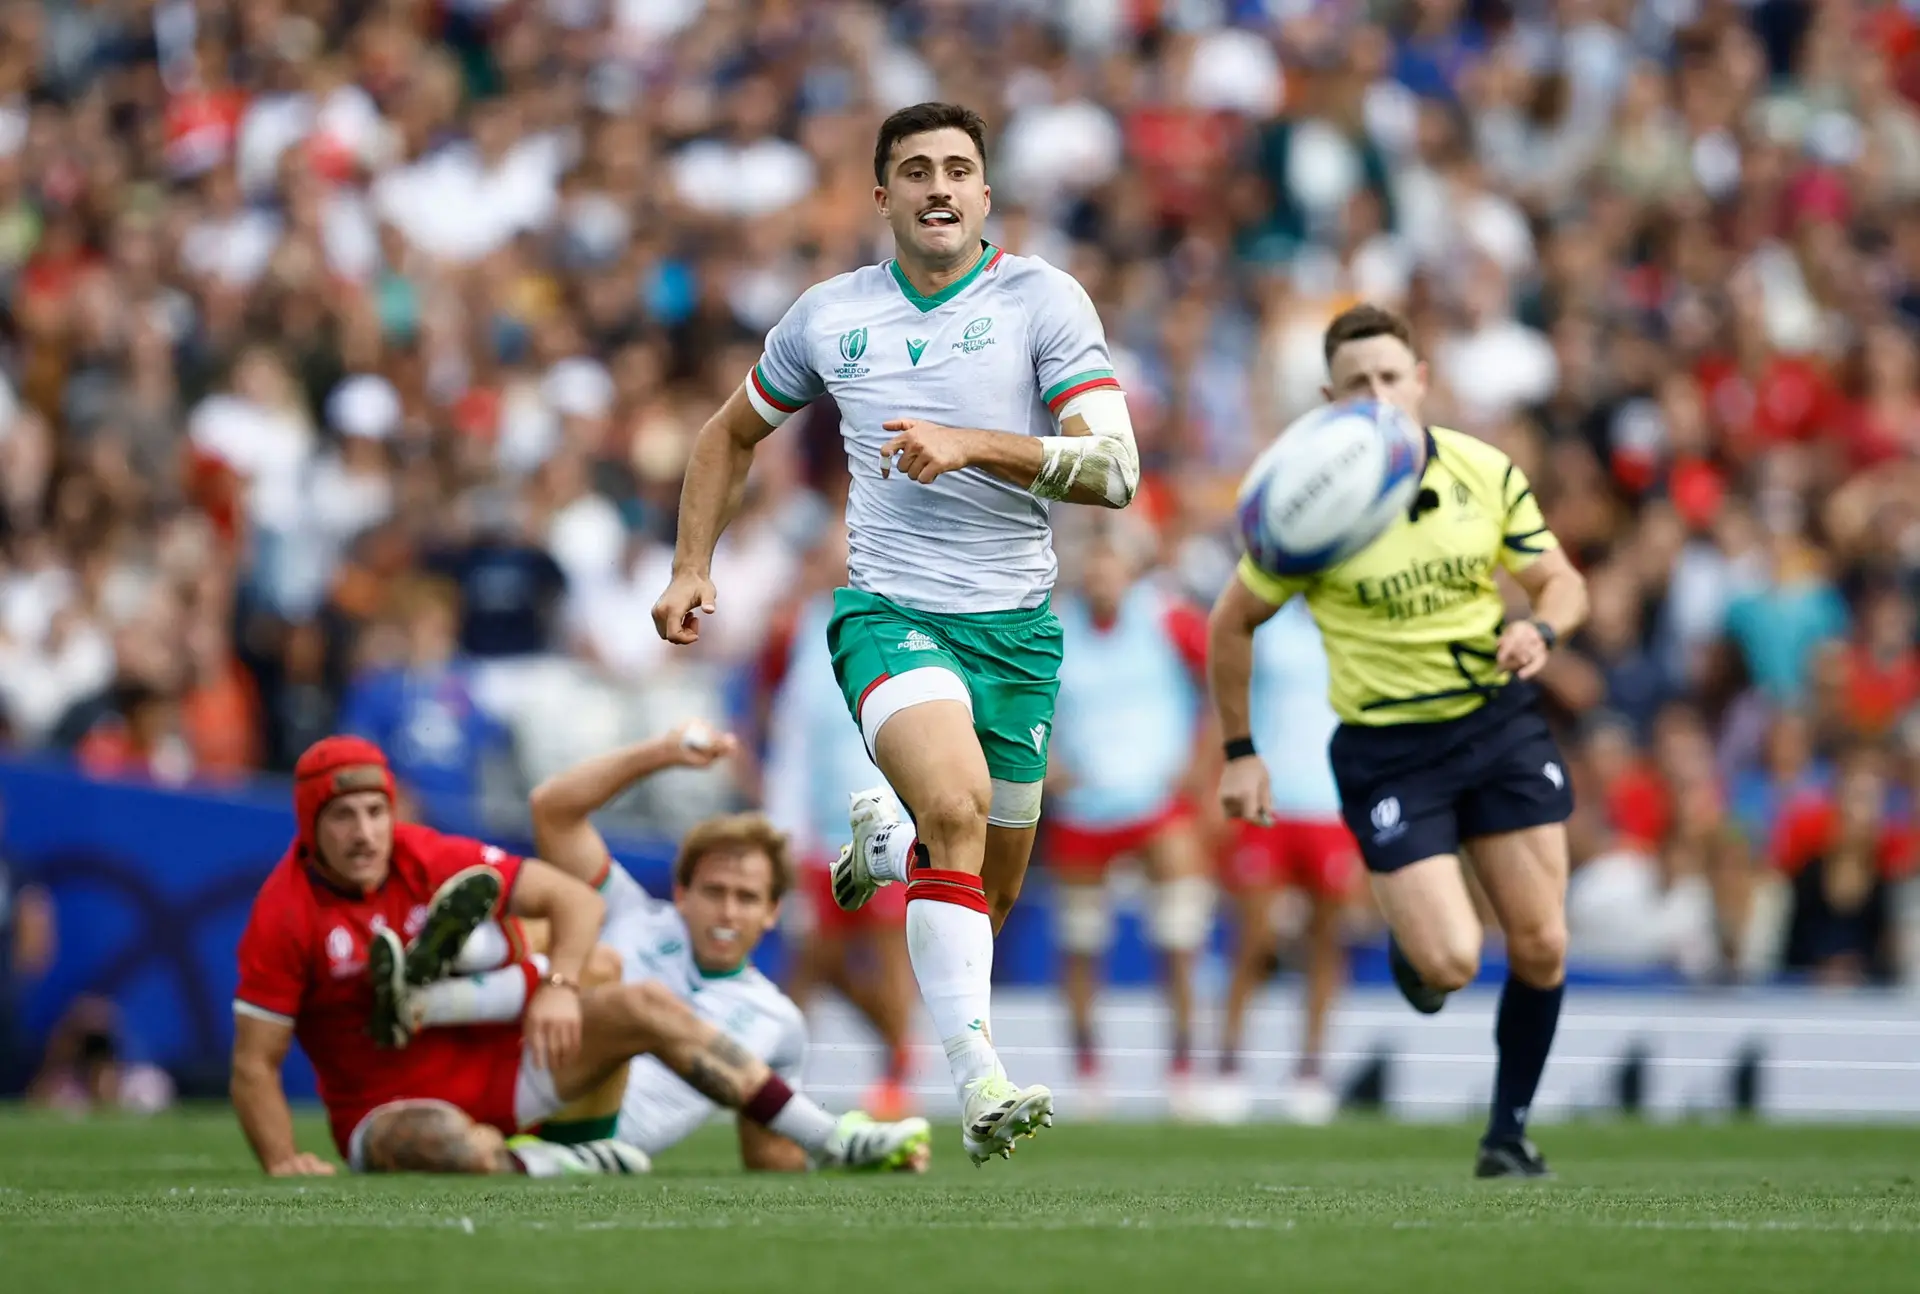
{"x":1329,"y":485}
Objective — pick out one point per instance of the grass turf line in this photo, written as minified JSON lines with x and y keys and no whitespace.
{"x":174,"y":1204}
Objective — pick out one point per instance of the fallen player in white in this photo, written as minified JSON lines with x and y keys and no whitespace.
{"x":729,"y":878}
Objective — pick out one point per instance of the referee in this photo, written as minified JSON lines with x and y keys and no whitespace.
{"x":1440,"y":740}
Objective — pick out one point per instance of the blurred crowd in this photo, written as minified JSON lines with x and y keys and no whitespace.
{"x":351,"y":350}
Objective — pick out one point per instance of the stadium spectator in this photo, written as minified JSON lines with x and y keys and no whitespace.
{"x":421,"y":708}
{"x":1841,"y":854}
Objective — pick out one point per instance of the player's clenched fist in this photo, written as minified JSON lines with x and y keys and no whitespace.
{"x":1244,"y":792}
{"x":300,"y":1165}
{"x":925,"y":449}
{"x":673,"y":615}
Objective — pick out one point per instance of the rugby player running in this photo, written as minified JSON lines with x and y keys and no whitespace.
{"x":974,"y":389}
{"x":1441,"y":742}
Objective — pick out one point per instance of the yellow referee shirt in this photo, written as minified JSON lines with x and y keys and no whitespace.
{"x":1411,"y":622}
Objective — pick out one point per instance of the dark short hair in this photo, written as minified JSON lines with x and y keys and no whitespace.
{"x":918,"y":120}
{"x":1363,"y":321}
{"x":732,"y":835}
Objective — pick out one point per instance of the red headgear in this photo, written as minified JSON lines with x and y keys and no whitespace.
{"x":331,"y":767}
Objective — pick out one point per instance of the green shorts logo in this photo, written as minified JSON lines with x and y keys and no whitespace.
{"x":975,"y":336}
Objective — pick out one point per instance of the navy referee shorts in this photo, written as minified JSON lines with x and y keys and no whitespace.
{"x":1413,"y":790}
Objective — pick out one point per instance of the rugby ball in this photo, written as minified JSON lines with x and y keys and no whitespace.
{"x":1329,"y":485}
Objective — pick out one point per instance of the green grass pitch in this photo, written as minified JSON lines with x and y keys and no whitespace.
{"x":173,"y":1204}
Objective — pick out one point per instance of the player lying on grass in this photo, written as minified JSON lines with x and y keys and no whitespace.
{"x":352,"y":881}
{"x":729,"y":878}
{"x":1441,"y":741}
{"x":975,"y":389}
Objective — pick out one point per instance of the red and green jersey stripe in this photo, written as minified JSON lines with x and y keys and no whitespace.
{"x":773,"y":395}
{"x":1093,"y":379}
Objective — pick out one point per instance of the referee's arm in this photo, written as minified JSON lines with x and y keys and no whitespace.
{"x":1236,"y":614}
{"x":1558,"y":596}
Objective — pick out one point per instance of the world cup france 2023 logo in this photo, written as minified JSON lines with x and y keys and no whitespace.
{"x":853,"y":345}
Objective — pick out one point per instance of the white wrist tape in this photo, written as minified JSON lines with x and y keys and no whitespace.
{"x":1095,"y":451}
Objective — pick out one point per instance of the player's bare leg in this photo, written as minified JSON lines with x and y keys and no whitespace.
{"x":1310,"y":1100}
{"x":1435,"y":944}
{"x":1524,"y":874}
{"x":933,"y":761}
{"x":1255,"y":954}
{"x":1009,"y":850}
{"x":621,"y":1021}
{"x":882,"y":991}
{"x":436,"y":1137}
{"x":882,"y":994}
{"x":1180,"y":919}
{"x":1084,"y":932}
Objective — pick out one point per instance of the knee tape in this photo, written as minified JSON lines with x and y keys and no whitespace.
{"x":1086,"y":919}
{"x":1182,"y":914}
{"x":1014,"y":804}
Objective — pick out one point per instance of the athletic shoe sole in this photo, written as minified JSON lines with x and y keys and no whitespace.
{"x":459,"y":907}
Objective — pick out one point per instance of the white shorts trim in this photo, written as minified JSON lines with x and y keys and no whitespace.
{"x":903,"y":692}
{"x":534,"y":1096}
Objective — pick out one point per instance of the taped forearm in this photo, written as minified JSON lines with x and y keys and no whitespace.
{"x":1094,"y":460}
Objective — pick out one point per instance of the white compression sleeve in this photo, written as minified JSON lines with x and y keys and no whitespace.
{"x":1095,"y":449}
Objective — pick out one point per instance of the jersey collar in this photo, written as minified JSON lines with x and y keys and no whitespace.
{"x":706,"y":974}
{"x":989,"y":256}
{"x":1426,"y":498}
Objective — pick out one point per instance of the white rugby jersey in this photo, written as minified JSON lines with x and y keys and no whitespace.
{"x":1002,"y":349}
{"x":659,"y":1108}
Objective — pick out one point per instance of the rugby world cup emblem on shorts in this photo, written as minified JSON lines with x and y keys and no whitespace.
{"x":1387,"y":823}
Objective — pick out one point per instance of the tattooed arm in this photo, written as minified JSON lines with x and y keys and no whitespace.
{"x":432,"y":1137}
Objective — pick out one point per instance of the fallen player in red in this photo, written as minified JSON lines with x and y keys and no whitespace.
{"x":450,"y":1102}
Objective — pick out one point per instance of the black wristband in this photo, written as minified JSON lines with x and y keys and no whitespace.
{"x":1240,"y":748}
{"x":1548,"y":634}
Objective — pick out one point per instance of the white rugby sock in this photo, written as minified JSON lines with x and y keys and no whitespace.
{"x":486,"y":949}
{"x":492,"y":997}
{"x":950,"y":943}
{"x":890,"y":851}
{"x":804,"y":1123}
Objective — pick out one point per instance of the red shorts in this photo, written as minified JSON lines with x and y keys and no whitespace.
{"x":885,"y":910}
{"x":475,"y":1068}
{"x":1318,"y":857}
{"x":1090,"y":851}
